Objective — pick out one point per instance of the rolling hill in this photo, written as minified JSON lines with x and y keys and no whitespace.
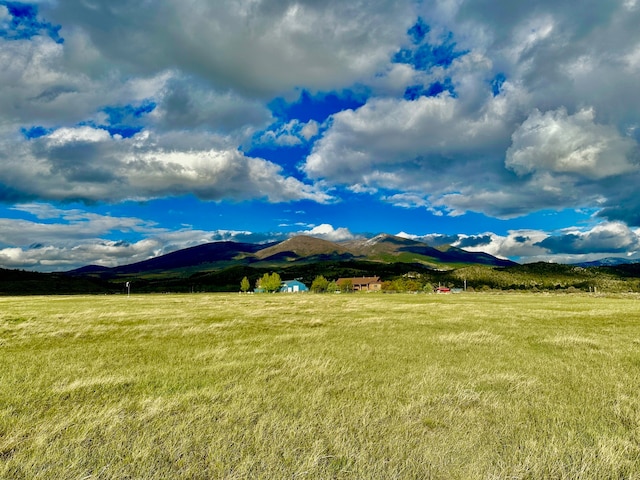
{"x":201,"y":257}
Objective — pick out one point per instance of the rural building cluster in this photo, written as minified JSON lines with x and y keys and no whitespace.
{"x":341,"y":285}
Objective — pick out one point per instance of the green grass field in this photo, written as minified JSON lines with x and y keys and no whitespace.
{"x":320,"y":386}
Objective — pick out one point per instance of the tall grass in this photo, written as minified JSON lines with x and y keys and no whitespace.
{"x":313,"y":386}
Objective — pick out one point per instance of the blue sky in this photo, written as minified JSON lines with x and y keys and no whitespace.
{"x":132,"y":129}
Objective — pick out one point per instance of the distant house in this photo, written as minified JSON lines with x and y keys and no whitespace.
{"x":293,"y":286}
{"x":368,"y":284}
{"x":443,"y":290}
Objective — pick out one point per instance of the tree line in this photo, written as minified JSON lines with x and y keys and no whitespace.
{"x":271,"y":282}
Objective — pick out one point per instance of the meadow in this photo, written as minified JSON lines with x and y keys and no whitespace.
{"x":230,"y":386}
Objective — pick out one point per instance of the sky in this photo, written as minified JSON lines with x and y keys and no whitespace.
{"x":134,"y":128}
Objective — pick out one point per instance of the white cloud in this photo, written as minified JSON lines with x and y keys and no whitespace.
{"x":413,"y":140}
{"x":61,"y":258}
{"x":71,"y":238}
{"x":573,"y":144}
{"x":290,"y":134}
{"x":261,"y":47}
{"x":328,"y":232}
{"x":88,"y":163}
{"x":209,"y":70}
{"x":609,"y":239}
{"x":459,"y":152}
{"x":359,"y":188}
{"x":518,"y":244}
{"x":604,"y":238}
{"x":189,"y":142}
{"x":63,"y":227}
{"x":309,"y":130}
{"x":406,"y":200}
{"x":430,"y":149}
{"x":64,"y":136}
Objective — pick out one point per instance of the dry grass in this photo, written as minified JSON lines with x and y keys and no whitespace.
{"x":312,"y":386}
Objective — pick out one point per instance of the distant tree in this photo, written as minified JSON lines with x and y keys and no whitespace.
{"x":387,"y":286}
{"x":411,"y":285}
{"x":319,"y":284}
{"x":428,"y":288}
{"x":276,"y":282}
{"x":263,"y":283}
{"x":245,"y":285}
{"x":346,"y":286}
{"x":399,"y":285}
{"x":332,"y":287}
{"x":270,"y":282}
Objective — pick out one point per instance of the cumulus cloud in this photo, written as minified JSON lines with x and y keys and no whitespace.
{"x":259,"y":48}
{"x":431,"y":239}
{"x":406,"y":200}
{"x":609,"y":237}
{"x":520,"y":245}
{"x":515,"y":245}
{"x":66,"y":239}
{"x":403,"y":144}
{"x":562,"y":161}
{"x":87,"y":163}
{"x":506,"y":112}
{"x":328,"y":232}
{"x":560,"y":143}
{"x":65,"y":227}
{"x":62,"y":258}
{"x":185,"y":103}
{"x":79,"y":126}
{"x":290,"y":134}
{"x":436,"y":153}
{"x":209,"y":68}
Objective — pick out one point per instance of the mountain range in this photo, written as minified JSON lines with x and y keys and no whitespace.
{"x":607,"y":262}
{"x":220,"y":266}
{"x":298,"y":250}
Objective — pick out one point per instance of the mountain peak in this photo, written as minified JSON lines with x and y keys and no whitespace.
{"x":302,"y":246}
